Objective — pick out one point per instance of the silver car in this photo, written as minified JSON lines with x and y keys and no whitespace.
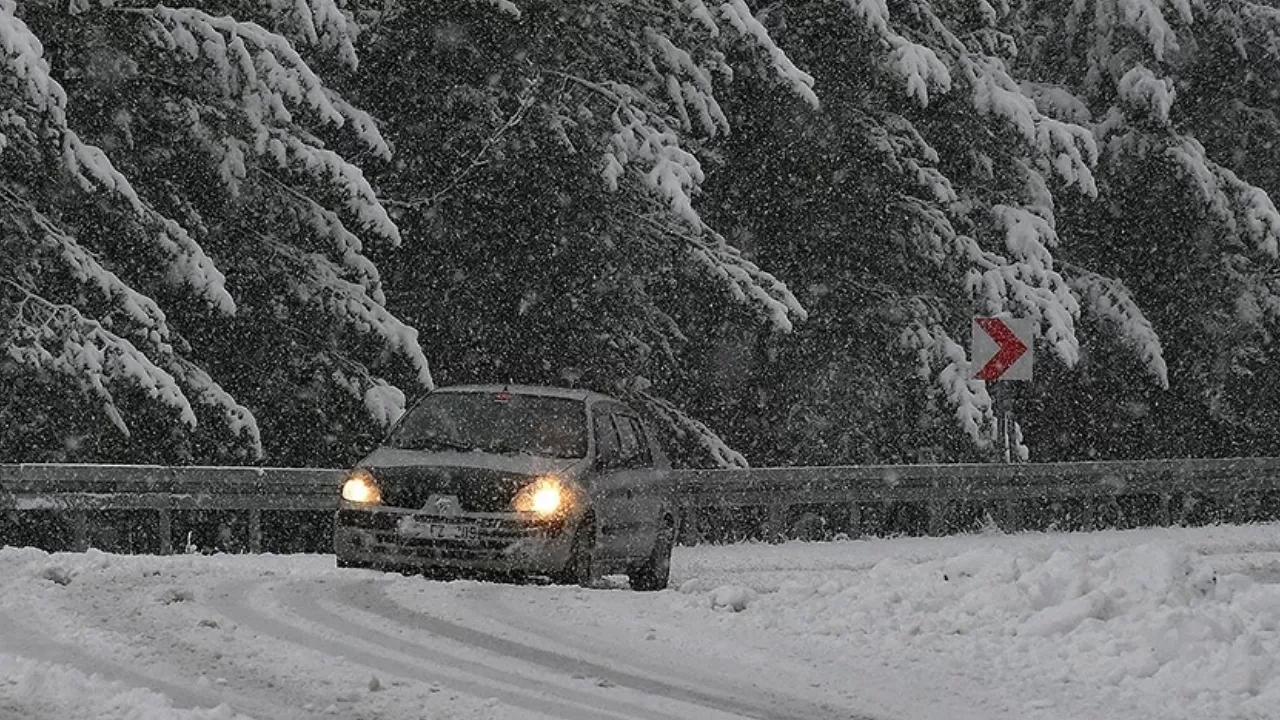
{"x":517,"y":481}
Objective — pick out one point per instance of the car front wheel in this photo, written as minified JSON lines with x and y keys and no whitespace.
{"x":580,"y":569}
{"x":655,"y":573}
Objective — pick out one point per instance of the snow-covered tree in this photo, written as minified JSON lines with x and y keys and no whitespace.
{"x":1180,"y":97}
{"x":177,"y":222}
{"x":922,"y":193}
{"x":550,"y":159}
{"x":1032,"y":158}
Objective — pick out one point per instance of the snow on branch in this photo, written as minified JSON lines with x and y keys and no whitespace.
{"x":875,"y":13}
{"x":696,"y":94}
{"x":319,"y":23}
{"x":685,"y":427}
{"x":1058,"y":102}
{"x":384,"y":402}
{"x":1070,"y":150}
{"x":1146,"y":18}
{"x":1244,"y":210}
{"x":1028,"y":281}
{"x":919,"y":67}
{"x":59,"y":338}
{"x":24,"y":64}
{"x":671,"y":171}
{"x":236,"y":417}
{"x":1142,"y":89}
{"x":1110,"y":300}
{"x":95,"y":352}
{"x":90,"y":166}
{"x":506,"y":6}
{"x":259,"y":68}
{"x":742,"y":20}
{"x":314,"y":220}
{"x":319,"y":281}
{"x":744,"y":281}
{"x":85,"y":269}
{"x":697,"y":10}
{"x":903,"y":149}
{"x":935,"y":348}
{"x":330,"y":169}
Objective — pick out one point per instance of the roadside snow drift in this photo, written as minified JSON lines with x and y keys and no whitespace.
{"x":1156,"y":624}
{"x":1151,"y":631}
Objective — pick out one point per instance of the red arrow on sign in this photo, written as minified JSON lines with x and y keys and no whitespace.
{"x":1011,"y":348}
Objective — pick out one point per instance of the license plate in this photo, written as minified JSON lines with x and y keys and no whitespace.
{"x":422,"y":530}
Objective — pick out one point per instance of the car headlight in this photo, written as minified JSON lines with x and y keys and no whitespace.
{"x":360,"y":487}
{"x":546,"y":496}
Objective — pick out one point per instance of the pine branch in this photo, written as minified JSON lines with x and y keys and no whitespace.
{"x":477,"y":160}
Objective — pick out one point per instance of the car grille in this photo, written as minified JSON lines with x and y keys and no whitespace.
{"x":477,"y":490}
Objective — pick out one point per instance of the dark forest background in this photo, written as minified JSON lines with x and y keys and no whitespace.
{"x":234,"y":234}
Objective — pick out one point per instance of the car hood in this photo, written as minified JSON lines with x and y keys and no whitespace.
{"x":478,"y":481}
{"x":524,"y":464}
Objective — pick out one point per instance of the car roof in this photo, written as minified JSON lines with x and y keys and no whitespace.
{"x":542,"y":390}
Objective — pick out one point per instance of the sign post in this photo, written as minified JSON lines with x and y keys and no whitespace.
{"x":1002,"y":352}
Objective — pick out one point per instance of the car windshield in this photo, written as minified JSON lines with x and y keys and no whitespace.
{"x":498,"y":422}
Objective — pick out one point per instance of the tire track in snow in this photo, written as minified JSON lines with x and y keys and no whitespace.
{"x":21,"y":640}
{"x":491,"y":606}
{"x":394,"y":656}
{"x":352,"y":600}
{"x":729,"y":700}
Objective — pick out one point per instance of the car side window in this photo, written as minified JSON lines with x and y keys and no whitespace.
{"x":628,"y":448}
{"x":645,"y":457}
{"x":607,"y":446}
{"x":634,"y":452}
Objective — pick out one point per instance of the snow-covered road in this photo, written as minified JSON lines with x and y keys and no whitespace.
{"x":1181,"y":623}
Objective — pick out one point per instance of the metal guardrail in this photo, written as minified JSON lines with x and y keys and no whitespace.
{"x":1235,"y":483}
{"x":76,"y":491}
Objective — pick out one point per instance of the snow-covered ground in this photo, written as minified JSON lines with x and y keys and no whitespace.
{"x":1166,"y":624}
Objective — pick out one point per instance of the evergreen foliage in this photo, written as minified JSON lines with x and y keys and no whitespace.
{"x":178,"y":227}
{"x":228,"y":230}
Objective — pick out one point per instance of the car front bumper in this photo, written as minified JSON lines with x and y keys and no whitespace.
{"x":481,"y":542}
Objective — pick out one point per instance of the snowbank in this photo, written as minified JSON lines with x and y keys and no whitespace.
{"x":1141,"y":625}
{"x":31,"y":688}
{"x":1149,"y":631}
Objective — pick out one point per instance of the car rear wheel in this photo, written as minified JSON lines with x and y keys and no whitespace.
{"x":580,"y":569}
{"x":655,"y":573}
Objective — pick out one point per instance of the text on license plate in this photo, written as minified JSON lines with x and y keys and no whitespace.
{"x":411,"y":528}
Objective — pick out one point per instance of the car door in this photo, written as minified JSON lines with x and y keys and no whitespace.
{"x":625,"y":474}
{"x":649,"y":493}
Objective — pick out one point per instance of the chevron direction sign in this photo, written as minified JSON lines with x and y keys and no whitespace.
{"x":1002,"y":348}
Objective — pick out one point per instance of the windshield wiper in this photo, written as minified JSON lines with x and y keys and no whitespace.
{"x":502,"y":448}
{"x":444,"y":442}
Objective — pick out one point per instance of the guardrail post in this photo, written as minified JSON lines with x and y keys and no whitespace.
{"x":688,"y":525}
{"x":1164,"y":512}
{"x":1239,"y":507}
{"x":1087,"y":520}
{"x":255,"y":530}
{"x":79,"y":530}
{"x":166,"y":531}
{"x":855,"y":520}
{"x":1011,"y":513}
{"x":937,"y":510}
{"x":775,"y":527}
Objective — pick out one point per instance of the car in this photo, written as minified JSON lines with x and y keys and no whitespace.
{"x":514,"y":481}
